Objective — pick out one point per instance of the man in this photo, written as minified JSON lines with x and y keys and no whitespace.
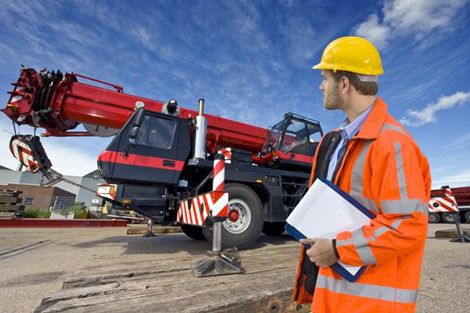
{"x":374,"y":159}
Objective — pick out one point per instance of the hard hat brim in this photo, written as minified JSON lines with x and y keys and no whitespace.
{"x":352,"y":69}
{"x":318,"y":66}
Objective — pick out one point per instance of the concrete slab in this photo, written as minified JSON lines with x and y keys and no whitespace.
{"x":77,"y":258}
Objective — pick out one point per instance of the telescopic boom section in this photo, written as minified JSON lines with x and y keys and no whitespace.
{"x":60,"y":102}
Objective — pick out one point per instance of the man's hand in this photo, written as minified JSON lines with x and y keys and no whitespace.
{"x":322,"y":252}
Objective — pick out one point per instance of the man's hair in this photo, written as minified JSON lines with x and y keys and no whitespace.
{"x":364,"y":88}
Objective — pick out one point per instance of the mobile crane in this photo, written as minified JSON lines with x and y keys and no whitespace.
{"x":162,"y":153}
{"x":438,"y":210}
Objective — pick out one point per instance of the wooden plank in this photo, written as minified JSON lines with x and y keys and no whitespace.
{"x":167,"y":284}
{"x":450,"y":233}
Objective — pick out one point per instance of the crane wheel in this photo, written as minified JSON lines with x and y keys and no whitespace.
{"x":194,"y":232}
{"x":467,"y":217}
{"x":434,"y":217}
{"x":273,"y":228}
{"x":245,"y":218}
{"x":448,"y":218}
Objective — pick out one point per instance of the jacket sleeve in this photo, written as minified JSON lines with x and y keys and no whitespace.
{"x":397,"y":180}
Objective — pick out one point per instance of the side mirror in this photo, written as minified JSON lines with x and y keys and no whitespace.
{"x":134,"y":132}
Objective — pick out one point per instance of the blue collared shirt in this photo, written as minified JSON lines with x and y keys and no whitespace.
{"x":348,"y":130}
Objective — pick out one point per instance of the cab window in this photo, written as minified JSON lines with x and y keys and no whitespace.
{"x":296,"y":134}
{"x":156,"y":132}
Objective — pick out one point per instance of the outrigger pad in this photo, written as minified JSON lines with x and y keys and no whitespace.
{"x":224,"y":263}
{"x":461,"y":238}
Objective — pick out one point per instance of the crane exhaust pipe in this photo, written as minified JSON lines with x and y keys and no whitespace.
{"x":201,"y":130}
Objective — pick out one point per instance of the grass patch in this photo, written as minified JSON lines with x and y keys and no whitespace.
{"x":36,"y":213}
{"x":79,"y":209}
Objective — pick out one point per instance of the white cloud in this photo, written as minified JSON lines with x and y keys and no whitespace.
{"x":69,"y":160}
{"x":6,"y":158}
{"x":428,"y":114}
{"x":459,"y":142}
{"x":461,"y":178}
{"x":419,"y":18}
{"x":143,"y":35}
{"x":67,"y":155}
{"x":373,"y":30}
{"x":301,"y":38}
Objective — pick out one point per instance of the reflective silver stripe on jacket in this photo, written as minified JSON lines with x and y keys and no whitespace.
{"x":366,"y":290}
{"x":386,"y":127}
{"x":357,"y":188}
{"x":404,"y":205}
{"x":376,"y":234}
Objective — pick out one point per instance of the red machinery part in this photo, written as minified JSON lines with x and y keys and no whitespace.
{"x":60,"y":102}
{"x":461,"y":194}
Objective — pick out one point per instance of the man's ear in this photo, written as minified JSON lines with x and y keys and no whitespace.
{"x":345,"y":85}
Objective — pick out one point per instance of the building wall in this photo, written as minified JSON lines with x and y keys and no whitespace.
{"x":29,"y":178}
{"x":82,"y":195}
{"x":87,"y":196}
{"x":37,"y":197}
{"x":8,"y":176}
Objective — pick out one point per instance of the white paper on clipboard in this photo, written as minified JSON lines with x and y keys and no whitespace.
{"x":325,"y":211}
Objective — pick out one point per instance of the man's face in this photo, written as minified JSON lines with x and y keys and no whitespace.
{"x":331,"y":94}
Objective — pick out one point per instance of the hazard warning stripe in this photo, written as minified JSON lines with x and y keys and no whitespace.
{"x":213,"y":203}
{"x":450,"y":197}
{"x":23,"y":153}
{"x":199,"y":219}
{"x":445,"y":204}
{"x":227,"y":152}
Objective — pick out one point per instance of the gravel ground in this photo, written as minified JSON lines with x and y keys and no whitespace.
{"x":50,"y":255}
{"x":445,"y":276}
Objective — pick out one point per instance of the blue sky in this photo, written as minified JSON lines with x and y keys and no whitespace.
{"x":251,"y":61}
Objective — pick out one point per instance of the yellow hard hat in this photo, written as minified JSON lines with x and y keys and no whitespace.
{"x":352,"y":54}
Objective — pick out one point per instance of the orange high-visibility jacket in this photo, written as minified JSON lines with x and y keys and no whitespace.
{"x":384,"y":170}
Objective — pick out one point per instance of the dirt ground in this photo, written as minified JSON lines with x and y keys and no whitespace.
{"x":35,"y":262}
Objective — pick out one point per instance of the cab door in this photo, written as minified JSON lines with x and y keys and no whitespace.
{"x":151,"y":148}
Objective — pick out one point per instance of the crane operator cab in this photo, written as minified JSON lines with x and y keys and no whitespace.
{"x":146,"y":160}
{"x":291,"y":143}
{"x":150,"y":149}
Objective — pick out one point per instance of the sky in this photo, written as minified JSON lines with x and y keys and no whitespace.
{"x":251,"y":61}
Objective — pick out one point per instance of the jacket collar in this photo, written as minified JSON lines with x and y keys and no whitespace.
{"x":374,"y":122}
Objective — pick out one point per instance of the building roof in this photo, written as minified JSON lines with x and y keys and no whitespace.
{"x":93,"y":174}
{"x":55,"y":189}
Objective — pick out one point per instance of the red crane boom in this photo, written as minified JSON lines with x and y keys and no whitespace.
{"x":60,"y":102}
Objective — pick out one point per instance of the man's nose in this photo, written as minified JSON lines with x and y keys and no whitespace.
{"x":322,"y":87}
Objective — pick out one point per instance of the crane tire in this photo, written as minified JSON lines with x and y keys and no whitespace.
{"x":273,"y":228}
{"x":434,"y":217}
{"x":467,"y":216}
{"x":243,"y":231}
{"x":448,"y":218}
{"x":194,"y":232}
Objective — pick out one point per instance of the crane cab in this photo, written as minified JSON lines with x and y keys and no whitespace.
{"x":151,"y":148}
{"x":291,"y":143}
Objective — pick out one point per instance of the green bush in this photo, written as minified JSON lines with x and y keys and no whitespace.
{"x":36,"y":213}
{"x":78,"y":208}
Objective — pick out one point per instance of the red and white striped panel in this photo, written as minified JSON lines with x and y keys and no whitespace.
{"x":227,"y":152}
{"x":444,"y":204}
{"x":23,"y":153}
{"x":218,"y":183}
{"x":194,"y":211}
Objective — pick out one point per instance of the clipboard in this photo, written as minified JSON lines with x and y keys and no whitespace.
{"x":311,"y":219}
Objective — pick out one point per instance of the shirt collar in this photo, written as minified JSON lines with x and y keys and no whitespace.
{"x":350,"y":129}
